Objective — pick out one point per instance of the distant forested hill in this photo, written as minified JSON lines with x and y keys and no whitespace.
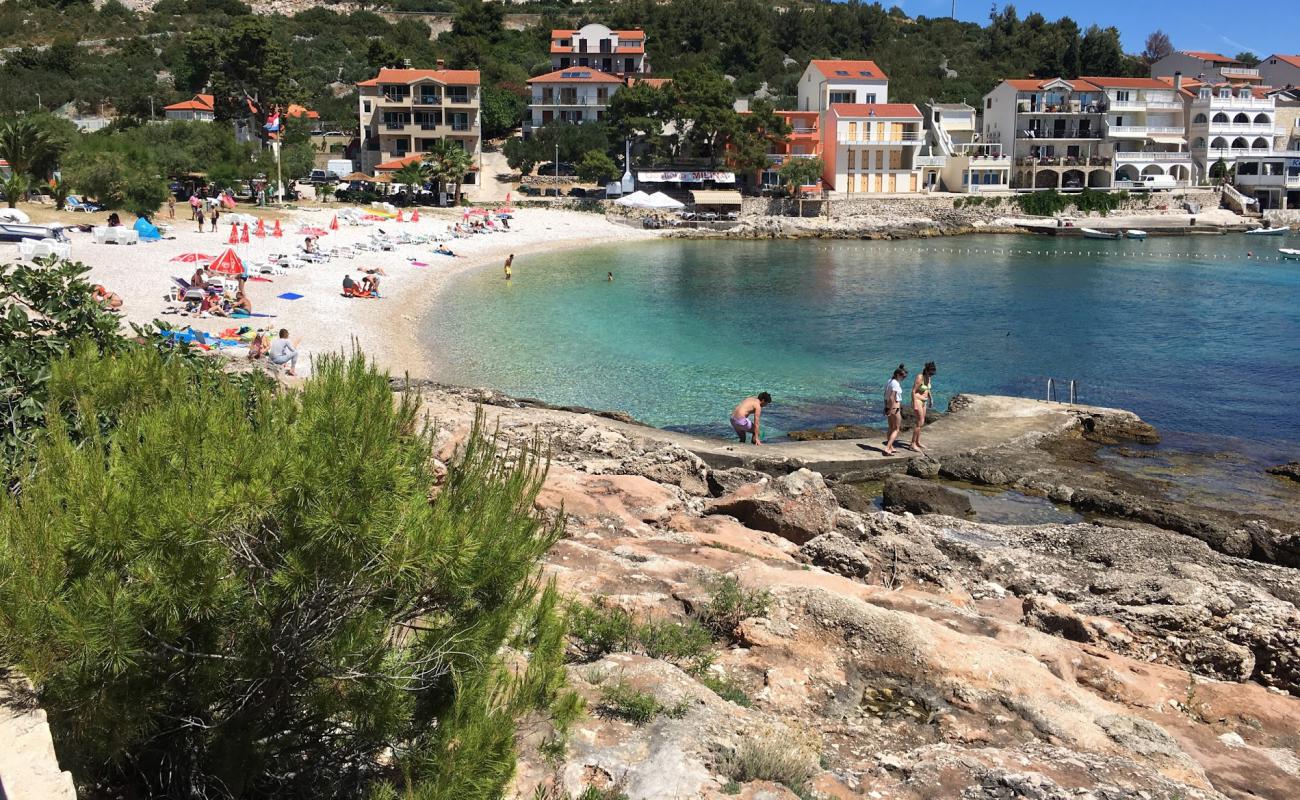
{"x":67,"y":50}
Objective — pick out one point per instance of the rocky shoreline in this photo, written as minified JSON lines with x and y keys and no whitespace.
{"x":902,"y":655}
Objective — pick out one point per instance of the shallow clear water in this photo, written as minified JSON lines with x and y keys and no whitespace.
{"x":1186,"y":331}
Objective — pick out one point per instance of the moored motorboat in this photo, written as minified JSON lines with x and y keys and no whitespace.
{"x":1268,"y":231}
{"x":17,"y":231}
{"x":1289,"y":253}
{"x":1093,"y":233}
{"x":1134,"y":233}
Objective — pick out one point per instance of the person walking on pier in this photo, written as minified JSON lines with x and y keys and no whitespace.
{"x":921,"y":400}
{"x":894,"y":407}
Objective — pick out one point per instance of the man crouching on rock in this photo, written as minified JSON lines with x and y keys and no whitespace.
{"x":740,"y":416}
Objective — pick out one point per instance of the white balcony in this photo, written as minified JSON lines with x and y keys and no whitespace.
{"x":1164,"y":105}
{"x":1257,"y":128}
{"x":1237,"y":103}
{"x":896,"y":141}
{"x":573,"y":102}
{"x":930,"y":161}
{"x":1239,"y":72}
{"x":1128,"y":105}
{"x":1127,"y":130}
{"x":1162,"y":157}
{"x":1233,"y":152}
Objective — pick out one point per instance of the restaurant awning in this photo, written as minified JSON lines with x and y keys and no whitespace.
{"x":1170,"y":138}
{"x":715,"y":197}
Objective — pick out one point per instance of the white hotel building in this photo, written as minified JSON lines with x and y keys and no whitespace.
{"x":1098,"y":132}
{"x":1228,"y":122}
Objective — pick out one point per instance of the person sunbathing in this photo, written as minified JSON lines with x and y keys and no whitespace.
{"x":199,"y":280}
{"x":110,"y":300}
{"x":242,"y":303}
{"x":309,"y":246}
{"x":258,"y":347}
{"x":442,"y":250}
{"x":213,"y":304}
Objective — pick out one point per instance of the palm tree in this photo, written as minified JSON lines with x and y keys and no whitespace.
{"x":413,"y":175}
{"x":449,"y":162}
{"x":23,"y":144}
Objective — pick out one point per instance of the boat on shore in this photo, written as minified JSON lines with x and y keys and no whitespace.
{"x":17,"y":231}
{"x":1289,"y":253}
{"x":1093,"y":233}
{"x":1134,"y":233}
{"x":1282,"y":231}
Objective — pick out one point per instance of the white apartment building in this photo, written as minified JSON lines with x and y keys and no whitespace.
{"x":825,"y":83}
{"x":1273,"y":179}
{"x":1280,"y":71}
{"x":1204,"y":66}
{"x":404,"y":112}
{"x":598,"y":47}
{"x":955,"y":158}
{"x":1226,"y":122}
{"x":573,"y":95}
{"x":1096,"y":132}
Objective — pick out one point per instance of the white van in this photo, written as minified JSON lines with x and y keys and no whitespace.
{"x":1153,"y":183}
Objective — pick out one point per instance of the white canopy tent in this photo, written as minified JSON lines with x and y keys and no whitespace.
{"x":637,"y":199}
{"x":661,"y":200}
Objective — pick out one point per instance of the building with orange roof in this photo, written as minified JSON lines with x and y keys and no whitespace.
{"x":403,"y":112}
{"x":871,"y":148}
{"x":601,"y":48}
{"x":199,"y":108}
{"x":1280,"y":71}
{"x":1204,"y":66}
{"x":1093,"y":131}
{"x":576,"y":94}
{"x":825,"y":82}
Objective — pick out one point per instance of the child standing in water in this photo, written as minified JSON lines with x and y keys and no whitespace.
{"x":740,"y":416}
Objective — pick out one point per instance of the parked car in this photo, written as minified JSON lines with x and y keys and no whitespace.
{"x":319,"y":176}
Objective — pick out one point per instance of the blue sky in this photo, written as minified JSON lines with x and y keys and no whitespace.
{"x":1262,"y":26}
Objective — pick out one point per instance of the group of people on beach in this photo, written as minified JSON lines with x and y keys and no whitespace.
{"x":747,"y":417}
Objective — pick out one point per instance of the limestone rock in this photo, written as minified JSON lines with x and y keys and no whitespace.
{"x":29,"y":769}
{"x":1290,"y":470}
{"x":837,"y":553}
{"x":798,"y":506}
{"x":725,"y":481}
{"x":905,"y":493}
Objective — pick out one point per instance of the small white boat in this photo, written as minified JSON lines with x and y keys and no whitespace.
{"x":1268,"y":231}
{"x":1290,"y":254}
{"x":1134,"y":233}
{"x":1093,"y":233}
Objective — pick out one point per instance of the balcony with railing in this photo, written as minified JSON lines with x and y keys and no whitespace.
{"x":431,"y":99}
{"x":581,"y":101}
{"x":894,"y":139}
{"x":1062,"y":161}
{"x":1235,"y":102}
{"x":1059,"y":133}
{"x":1233,"y":152}
{"x":461,"y":98}
{"x":1257,"y":128}
{"x":1239,"y":72}
{"x":1160,"y":156}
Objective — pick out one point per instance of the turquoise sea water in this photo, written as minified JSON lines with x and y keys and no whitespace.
{"x":1186,"y":331}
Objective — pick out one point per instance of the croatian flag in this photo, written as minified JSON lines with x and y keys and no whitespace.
{"x":273,"y":122}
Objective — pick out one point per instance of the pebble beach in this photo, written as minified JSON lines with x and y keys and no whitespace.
{"x":322,"y":318}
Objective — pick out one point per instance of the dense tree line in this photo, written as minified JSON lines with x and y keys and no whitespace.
{"x":185,"y":45}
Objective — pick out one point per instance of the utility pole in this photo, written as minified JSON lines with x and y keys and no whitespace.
{"x":557,"y":160}
{"x":954,"y":9}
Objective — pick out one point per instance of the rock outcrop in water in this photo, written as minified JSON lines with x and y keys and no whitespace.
{"x":904,"y":656}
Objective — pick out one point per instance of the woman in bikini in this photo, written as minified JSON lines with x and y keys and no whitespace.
{"x":921,"y":400}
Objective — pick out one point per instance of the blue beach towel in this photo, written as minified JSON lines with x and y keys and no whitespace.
{"x":289,"y":296}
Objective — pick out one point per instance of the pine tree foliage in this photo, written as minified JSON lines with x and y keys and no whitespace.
{"x":223,"y":589}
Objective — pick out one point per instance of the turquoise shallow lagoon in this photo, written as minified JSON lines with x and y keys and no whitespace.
{"x":1186,"y":331}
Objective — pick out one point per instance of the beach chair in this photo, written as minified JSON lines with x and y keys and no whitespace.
{"x":185,"y":291}
{"x":75,"y":203}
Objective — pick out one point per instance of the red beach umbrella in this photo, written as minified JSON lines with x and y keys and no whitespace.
{"x":243,"y":235}
{"x":334,"y":223}
{"x":193,"y":258}
{"x":260,"y":231}
{"x":276,"y":232}
{"x":228,"y":263}
{"x":400,"y":218}
{"x":234,"y":234}
{"x":415,"y":215}
{"x":312,"y":231}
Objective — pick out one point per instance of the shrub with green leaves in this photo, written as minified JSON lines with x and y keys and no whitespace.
{"x":45,"y":309}
{"x":769,"y":759}
{"x":730,"y":604}
{"x":226,"y":589}
{"x":622,"y":701}
{"x":601,"y":628}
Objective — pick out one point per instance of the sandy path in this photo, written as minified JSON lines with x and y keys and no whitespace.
{"x":387,"y":329}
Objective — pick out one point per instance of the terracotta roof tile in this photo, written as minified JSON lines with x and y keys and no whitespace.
{"x":1208,"y":56}
{"x":452,"y":76}
{"x":886,"y":110}
{"x":576,"y":75}
{"x":830,"y":67}
{"x":1125,"y":83}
